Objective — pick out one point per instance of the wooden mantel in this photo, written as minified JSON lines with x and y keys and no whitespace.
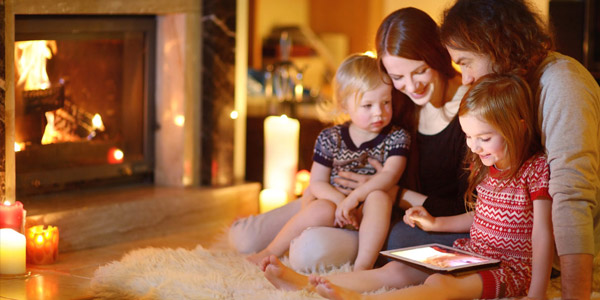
{"x":106,"y":6}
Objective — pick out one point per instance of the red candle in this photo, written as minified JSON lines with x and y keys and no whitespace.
{"x":42,"y":244}
{"x":11,"y":215}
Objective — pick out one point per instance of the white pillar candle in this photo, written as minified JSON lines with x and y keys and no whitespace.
{"x":271,"y":199}
{"x":282,"y":136}
{"x":12,"y":252}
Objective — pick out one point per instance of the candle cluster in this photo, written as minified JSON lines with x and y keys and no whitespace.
{"x":38,"y":246}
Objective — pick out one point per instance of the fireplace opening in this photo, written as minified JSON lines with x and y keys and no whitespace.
{"x":84,"y":101}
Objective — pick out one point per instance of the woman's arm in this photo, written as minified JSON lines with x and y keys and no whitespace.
{"x":410,"y":199}
{"x":543,"y":248}
{"x":320,"y":186}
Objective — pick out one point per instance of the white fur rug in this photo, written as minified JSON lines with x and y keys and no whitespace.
{"x":154,"y":273}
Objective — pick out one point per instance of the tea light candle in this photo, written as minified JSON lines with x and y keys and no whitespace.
{"x":12,"y":252}
{"x":281,"y":153}
{"x":11,"y":215}
{"x":42,"y":245}
{"x":271,"y":199}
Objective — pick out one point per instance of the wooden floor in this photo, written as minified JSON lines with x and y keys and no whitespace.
{"x":70,"y":276}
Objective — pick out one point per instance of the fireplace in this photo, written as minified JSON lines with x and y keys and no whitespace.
{"x":84,"y":101}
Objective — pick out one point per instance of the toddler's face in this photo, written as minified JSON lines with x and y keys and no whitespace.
{"x":373,"y":111}
{"x":485,"y":141}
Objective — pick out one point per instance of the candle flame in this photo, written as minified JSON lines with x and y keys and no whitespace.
{"x":39,"y":239}
{"x":7,"y":203}
{"x":31,"y":63}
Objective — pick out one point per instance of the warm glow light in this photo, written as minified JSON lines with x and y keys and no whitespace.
{"x":12,"y":252}
{"x":42,"y":244}
{"x":7,"y":203}
{"x":370,"y":54}
{"x":115,"y":155}
{"x":50,"y":134}
{"x":31,"y":63}
{"x":179,"y":120}
{"x":118,"y":154}
{"x":298,"y":91}
{"x":234,"y":114}
{"x":302,"y":181}
{"x":270,"y":199}
{"x":19,"y":146}
{"x":97,"y":122}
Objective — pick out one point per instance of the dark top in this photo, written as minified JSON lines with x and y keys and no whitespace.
{"x":442,"y":176}
{"x":335,"y":149}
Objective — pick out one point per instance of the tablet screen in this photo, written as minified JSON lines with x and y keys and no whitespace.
{"x":441,"y":258}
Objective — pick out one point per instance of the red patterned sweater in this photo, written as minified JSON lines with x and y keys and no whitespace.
{"x":503,"y":225}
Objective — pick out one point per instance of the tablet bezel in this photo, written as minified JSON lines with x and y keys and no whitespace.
{"x":489,"y":263}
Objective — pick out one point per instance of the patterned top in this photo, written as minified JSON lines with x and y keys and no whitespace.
{"x":503,"y":224}
{"x":334,"y":149}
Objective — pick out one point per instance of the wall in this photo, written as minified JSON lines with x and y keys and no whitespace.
{"x":435,"y":8}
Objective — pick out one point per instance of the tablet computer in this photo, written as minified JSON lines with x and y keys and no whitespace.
{"x":441,"y":258}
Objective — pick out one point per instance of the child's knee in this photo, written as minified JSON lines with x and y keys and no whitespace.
{"x":439,"y":281}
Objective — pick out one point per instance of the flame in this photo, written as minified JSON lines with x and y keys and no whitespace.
{"x":97,"y":122}
{"x":50,"y":134}
{"x":31,"y":63}
{"x":19,"y":146}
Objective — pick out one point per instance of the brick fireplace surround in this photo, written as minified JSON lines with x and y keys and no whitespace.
{"x":195,"y":77}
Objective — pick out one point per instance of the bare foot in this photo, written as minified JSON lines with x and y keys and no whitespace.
{"x":257,"y":258}
{"x":330,"y":291}
{"x":281,"y":276}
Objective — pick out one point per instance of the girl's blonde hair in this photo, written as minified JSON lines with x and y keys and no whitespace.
{"x":506,"y":103}
{"x":357,"y":74}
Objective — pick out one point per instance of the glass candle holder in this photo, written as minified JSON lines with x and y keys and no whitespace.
{"x":42,"y":244}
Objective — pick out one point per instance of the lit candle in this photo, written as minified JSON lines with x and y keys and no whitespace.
{"x":270,"y":199}
{"x":281,"y":153}
{"x":12,"y":252}
{"x":115,"y":155}
{"x":302,"y":181}
{"x":11,"y":215}
{"x":42,"y":244}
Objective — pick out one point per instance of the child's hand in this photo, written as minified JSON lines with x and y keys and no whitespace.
{"x":345,"y":212}
{"x":420,"y":217}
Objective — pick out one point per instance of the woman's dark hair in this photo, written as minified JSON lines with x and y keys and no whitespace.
{"x":411,"y":33}
{"x":508,"y":31}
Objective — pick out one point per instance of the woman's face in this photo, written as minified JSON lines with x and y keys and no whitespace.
{"x":414,"y":78}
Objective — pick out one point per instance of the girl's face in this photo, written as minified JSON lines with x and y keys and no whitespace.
{"x":373,"y":111}
{"x":485,"y":141}
{"x":472,"y":65}
{"x":415,"y":79}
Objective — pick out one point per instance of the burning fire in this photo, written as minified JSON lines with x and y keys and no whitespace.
{"x":31,"y":63}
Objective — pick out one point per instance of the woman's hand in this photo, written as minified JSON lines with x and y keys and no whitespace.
{"x":345,"y":213}
{"x":352,"y":180}
{"x":420,"y":217}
